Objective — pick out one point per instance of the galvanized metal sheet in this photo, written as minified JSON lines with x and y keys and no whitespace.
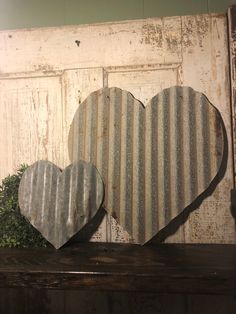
{"x":154,"y":161}
{"x":57,"y":203}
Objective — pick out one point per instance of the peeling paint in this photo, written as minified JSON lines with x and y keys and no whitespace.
{"x":199,"y":25}
{"x":179,"y":50}
{"x":152,"y":35}
{"x":44,"y":68}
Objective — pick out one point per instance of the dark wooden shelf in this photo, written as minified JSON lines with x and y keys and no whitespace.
{"x":164,"y":268}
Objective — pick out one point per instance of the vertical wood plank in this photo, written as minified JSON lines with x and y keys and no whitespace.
{"x":204,"y":37}
{"x":56,"y":302}
{"x":31,"y":122}
{"x":76,"y":86}
{"x":85,"y":302}
{"x":27,"y":301}
{"x":37,"y":301}
{"x":211,"y":304}
{"x":232,"y":55}
{"x":13,"y":301}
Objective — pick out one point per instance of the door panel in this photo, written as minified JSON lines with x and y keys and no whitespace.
{"x":45,"y":50}
{"x":143,"y":82}
{"x":205,"y":67}
{"x":76,"y":86}
{"x":31,"y":122}
{"x":45,"y":74}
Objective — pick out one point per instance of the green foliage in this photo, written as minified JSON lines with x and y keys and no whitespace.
{"x":15,"y":230}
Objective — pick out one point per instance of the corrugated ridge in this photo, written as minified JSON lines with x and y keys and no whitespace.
{"x":60,"y":204}
{"x":154,"y":161}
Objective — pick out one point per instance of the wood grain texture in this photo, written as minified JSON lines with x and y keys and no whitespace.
{"x":41,"y":301}
{"x":163,"y":268}
{"x":232,"y":54}
{"x":38,"y":301}
{"x":59,"y":204}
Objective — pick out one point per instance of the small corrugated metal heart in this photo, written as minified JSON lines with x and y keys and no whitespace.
{"x":59,"y":204}
{"x":154,"y":161}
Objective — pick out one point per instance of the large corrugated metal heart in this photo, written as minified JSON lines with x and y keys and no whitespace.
{"x":59,"y":204}
{"x":154,"y":161}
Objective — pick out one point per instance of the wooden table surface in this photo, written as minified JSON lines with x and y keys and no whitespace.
{"x":164,"y":268}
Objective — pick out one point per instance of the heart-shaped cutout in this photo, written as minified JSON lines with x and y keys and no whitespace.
{"x":59,"y":204}
{"x":154,"y":161}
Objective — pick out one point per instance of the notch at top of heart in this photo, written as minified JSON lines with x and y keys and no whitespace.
{"x":154,"y":160}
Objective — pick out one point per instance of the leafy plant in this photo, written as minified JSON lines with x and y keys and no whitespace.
{"x":15,"y":230}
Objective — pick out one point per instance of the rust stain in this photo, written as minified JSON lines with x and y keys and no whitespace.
{"x":171,"y":38}
{"x":172,"y":43}
{"x":187,"y":33}
{"x":77,"y":42}
{"x":202,"y":27}
{"x":152,"y":35}
{"x":194,"y":31}
{"x":43,"y":68}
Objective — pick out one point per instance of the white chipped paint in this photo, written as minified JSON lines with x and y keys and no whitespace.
{"x":44,"y":76}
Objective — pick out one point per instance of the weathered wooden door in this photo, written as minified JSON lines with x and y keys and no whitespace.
{"x":46,"y":73}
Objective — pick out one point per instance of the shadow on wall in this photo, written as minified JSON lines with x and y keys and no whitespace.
{"x":85,"y":234}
